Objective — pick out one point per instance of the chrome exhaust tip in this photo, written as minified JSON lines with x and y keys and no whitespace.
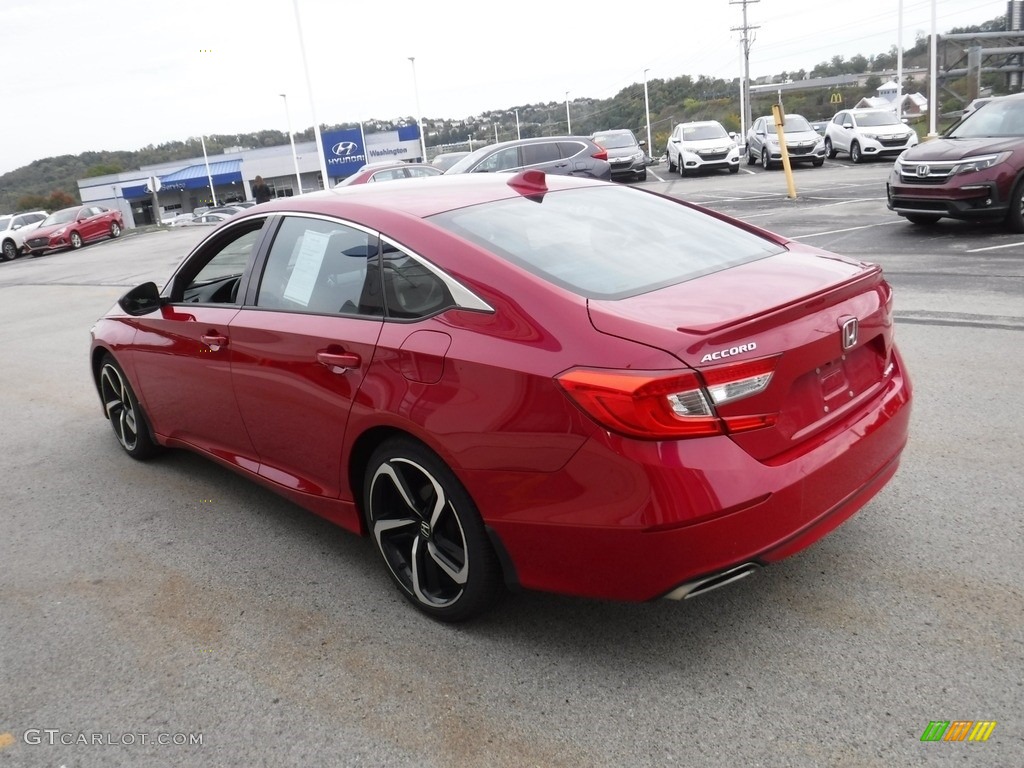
{"x":708,"y":583}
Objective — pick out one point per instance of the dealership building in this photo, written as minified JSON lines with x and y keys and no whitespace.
{"x":153,"y":192}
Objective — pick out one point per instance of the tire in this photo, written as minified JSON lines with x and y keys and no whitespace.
{"x":129,"y":423}
{"x":115,"y":230}
{"x":76,"y":240}
{"x":429,"y":532}
{"x":751,"y":160}
{"x":818,"y":162}
{"x":1015,"y":216}
{"x":922,"y":219}
{"x":671,"y":165}
{"x":766,"y":162}
{"x":642,"y":176}
{"x":734,"y":169}
{"x":855,"y":154}
{"x":830,"y":151}
{"x":9,"y":251}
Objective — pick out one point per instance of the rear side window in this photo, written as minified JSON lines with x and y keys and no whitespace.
{"x":533,"y":154}
{"x":607,"y":242}
{"x":569,"y":148}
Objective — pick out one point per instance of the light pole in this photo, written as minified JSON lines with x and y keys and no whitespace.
{"x":647,"y":110}
{"x":291,"y":138}
{"x":209,"y":176}
{"x":309,"y":89}
{"x":419,"y":116}
{"x":495,"y":133}
{"x":518,"y":134}
{"x":568,"y":120}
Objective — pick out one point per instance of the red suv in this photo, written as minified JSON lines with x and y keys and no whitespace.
{"x":975,"y":171}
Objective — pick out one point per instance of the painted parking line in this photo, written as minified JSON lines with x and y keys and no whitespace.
{"x":848,"y":229}
{"x":995,"y":247}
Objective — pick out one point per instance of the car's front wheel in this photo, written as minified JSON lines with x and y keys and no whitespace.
{"x":429,"y":532}
{"x":115,"y":229}
{"x":10,"y":250}
{"x":856,"y":156}
{"x":766,"y":162}
{"x":818,"y":163}
{"x":830,"y":151}
{"x":671,"y":165}
{"x":122,"y":408}
{"x":751,"y":160}
{"x":76,"y":240}
{"x":1015,"y":216}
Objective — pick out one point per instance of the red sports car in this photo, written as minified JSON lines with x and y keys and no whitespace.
{"x":73,"y":227}
{"x":540,"y":381}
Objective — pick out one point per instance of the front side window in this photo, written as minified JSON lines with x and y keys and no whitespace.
{"x":213,"y":275}
{"x":607,"y":242}
{"x":321,"y":266}
{"x":503,"y":160}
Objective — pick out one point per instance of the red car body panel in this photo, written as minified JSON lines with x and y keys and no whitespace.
{"x":574,"y":507}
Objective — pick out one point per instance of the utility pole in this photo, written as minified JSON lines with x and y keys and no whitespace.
{"x":746,"y":41}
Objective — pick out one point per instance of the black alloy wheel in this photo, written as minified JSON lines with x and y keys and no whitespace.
{"x":429,"y":532}
{"x":126,"y":418}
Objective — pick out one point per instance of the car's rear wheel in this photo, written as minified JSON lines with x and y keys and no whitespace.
{"x":76,"y":240}
{"x":122,"y":408}
{"x":855,"y":154}
{"x":115,"y":229}
{"x":830,"y":151}
{"x":429,"y":532}
{"x":1015,"y":216}
{"x":766,"y":162}
{"x":922,"y":219}
{"x":9,"y":251}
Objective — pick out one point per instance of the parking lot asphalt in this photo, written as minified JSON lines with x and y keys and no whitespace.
{"x":173,"y":597}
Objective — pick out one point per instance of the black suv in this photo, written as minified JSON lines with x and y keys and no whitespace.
{"x":975,"y":171}
{"x":564,"y":155}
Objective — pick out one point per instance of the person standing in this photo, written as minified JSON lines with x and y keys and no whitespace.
{"x":260,"y":190}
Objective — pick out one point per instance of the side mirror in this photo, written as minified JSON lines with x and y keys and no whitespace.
{"x":733,"y":135}
{"x":642,"y":143}
{"x":141,"y":300}
{"x":848,"y":126}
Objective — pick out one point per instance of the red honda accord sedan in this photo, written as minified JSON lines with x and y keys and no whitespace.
{"x":522,"y":380}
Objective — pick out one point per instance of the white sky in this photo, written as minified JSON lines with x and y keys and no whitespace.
{"x":118,"y":75}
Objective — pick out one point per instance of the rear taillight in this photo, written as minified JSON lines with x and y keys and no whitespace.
{"x":656,"y":405}
{"x":601,"y":154}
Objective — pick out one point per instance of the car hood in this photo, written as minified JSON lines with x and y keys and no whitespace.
{"x":623,"y":151}
{"x":957,"y":149}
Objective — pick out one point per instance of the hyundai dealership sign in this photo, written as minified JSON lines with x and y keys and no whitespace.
{"x":345,"y":152}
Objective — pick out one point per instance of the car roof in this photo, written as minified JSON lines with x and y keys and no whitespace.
{"x":418,"y":197}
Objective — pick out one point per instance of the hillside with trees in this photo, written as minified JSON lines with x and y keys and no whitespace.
{"x":51,"y":183}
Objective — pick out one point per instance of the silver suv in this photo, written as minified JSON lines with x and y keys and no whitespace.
{"x":13,"y":229}
{"x":803,"y":143}
{"x":863,"y":133}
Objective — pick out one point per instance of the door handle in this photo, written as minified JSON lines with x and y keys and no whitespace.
{"x":338,"y":362}
{"x":214,"y":341}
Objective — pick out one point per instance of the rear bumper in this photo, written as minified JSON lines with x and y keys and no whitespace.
{"x":633,"y":521}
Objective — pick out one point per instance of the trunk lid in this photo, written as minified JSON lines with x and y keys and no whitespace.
{"x":794,"y":306}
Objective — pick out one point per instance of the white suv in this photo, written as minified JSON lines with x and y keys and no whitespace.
{"x":13,"y":229}
{"x":704,"y":145}
{"x":863,"y":133}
